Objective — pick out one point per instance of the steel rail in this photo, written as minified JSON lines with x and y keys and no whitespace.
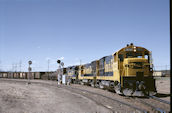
{"x":160,"y":100}
{"x":156,"y":109}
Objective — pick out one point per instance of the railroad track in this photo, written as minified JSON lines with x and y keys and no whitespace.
{"x":154,"y":108}
{"x":160,"y":100}
{"x":140,"y":110}
{"x":149,"y":103}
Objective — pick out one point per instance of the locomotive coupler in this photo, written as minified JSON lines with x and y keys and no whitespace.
{"x":140,"y":86}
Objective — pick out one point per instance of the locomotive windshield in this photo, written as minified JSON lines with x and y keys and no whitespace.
{"x":133,"y":55}
{"x":136,"y":55}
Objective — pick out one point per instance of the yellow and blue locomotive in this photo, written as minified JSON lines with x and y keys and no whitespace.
{"x":128,"y":71}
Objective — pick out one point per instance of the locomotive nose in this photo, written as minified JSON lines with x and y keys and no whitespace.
{"x":136,"y":67}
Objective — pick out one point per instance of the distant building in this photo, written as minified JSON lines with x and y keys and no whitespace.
{"x":158,"y":74}
{"x":161,"y":73}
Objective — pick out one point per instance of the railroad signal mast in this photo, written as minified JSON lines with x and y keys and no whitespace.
{"x":60,"y":73}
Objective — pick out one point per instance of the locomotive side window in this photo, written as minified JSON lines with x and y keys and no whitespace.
{"x":146,"y":56}
{"x":121,"y":57}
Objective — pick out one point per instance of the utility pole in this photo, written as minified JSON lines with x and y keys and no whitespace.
{"x":166,"y":69}
{"x":16,"y":67}
{"x":0,"y":66}
{"x":12,"y":71}
{"x":48,"y":68}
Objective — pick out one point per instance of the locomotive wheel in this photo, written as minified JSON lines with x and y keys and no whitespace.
{"x":117,"y":89}
{"x":97,"y":85}
{"x":127,"y":92}
{"x":101,"y":85}
{"x":82,"y":83}
{"x":138,"y":94}
{"x":92,"y":84}
{"x":152,"y":93}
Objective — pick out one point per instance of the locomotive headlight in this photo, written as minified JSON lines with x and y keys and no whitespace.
{"x":134,"y":48}
{"x":126,"y":65}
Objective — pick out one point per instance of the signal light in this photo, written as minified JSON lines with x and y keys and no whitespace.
{"x":58,"y":61}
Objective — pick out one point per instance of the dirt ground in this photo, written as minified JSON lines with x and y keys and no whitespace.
{"x":163,"y":87}
{"x":163,"y":84}
{"x":17,"y":97}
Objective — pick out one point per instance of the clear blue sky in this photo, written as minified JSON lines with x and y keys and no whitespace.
{"x":71,"y":30}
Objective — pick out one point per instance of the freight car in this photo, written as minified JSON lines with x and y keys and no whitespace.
{"x":128,"y":71}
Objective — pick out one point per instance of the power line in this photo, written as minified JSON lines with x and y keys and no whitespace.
{"x":48,"y":67}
